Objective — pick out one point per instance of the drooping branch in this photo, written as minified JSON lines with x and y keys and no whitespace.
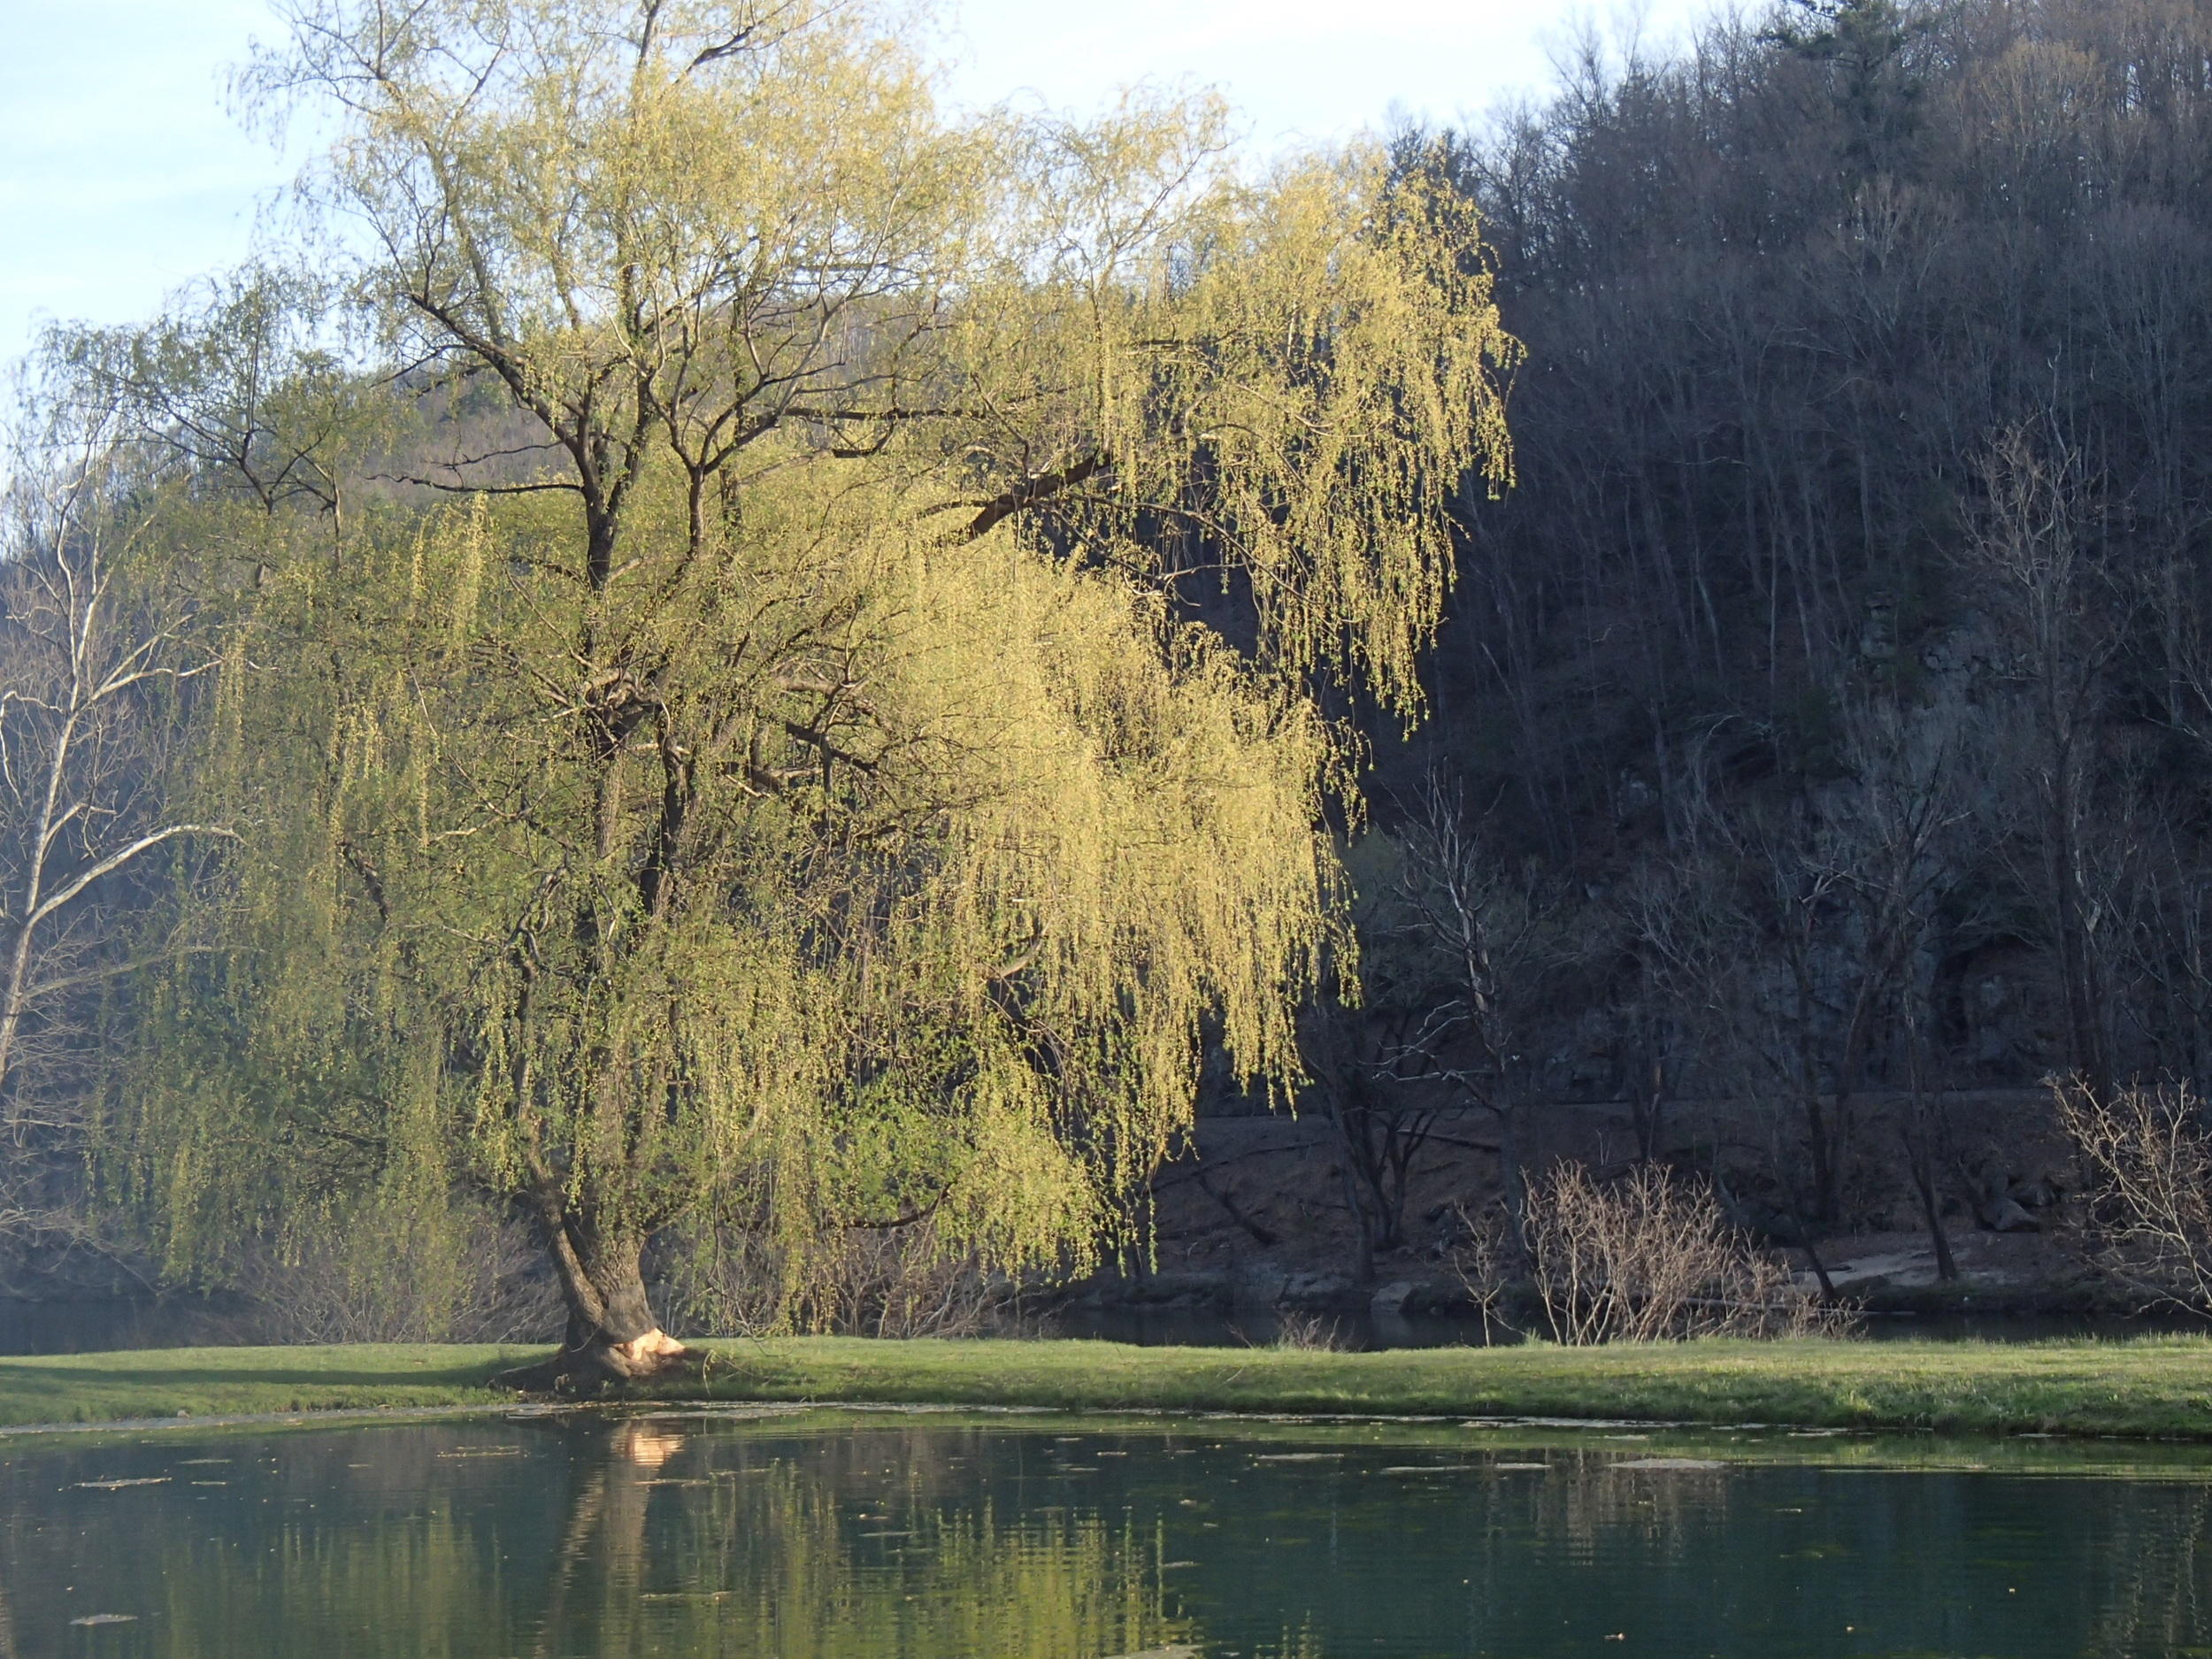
{"x":1031,"y":492}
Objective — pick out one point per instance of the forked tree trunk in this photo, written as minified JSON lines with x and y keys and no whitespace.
{"x":612,"y":1337}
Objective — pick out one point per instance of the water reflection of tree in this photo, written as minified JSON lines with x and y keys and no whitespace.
{"x":789,"y":1548}
{"x":1303,"y":1643}
{"x":2157,"y":1562}
{"x":603,"y":1548}
{"x":1593,"y":1497}
{"x":651,"y":1537}
{"x":424,"y":1583}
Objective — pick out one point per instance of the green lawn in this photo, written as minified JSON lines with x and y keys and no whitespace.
{"x":217,"y":1381}
{"x":2151,"y":1387}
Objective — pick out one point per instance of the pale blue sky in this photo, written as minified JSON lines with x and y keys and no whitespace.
{"x":123,"y":176}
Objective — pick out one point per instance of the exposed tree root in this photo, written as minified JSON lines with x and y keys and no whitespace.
{"x":598,"y":1367}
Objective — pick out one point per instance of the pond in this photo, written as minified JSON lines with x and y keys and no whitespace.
{"x":800,"y":1533}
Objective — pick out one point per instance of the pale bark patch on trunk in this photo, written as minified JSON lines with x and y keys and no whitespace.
{"x":644,"y":1355}
{"x":613,"y":1337}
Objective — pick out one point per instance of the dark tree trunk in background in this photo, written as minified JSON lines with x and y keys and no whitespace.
{"x":1363,"y":1228}
{"x":1921,"y":1134}
{"x":1513,"y":1182}
{"x":1931,"y":1211}
{"x":1648,"y":1107}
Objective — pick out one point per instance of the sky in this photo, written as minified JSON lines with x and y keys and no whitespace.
{"x":123,"y":174}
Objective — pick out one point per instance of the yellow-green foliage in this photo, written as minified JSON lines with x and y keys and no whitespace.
{"x":839,"y":820}
{"x":1320,"y":346}
{"x":968,"y":969}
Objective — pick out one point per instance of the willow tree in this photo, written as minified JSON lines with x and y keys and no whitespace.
{"x":758,"y":749}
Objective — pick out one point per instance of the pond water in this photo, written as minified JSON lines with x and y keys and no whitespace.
{"x":846,"y":1533}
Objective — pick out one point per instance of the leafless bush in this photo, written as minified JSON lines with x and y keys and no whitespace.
{"x":896,"y":1282}
{"x":1647,"y":1258}
{"x":1309,"y":1333}
{"x":369,"y":1280}
{"x":2149,"y":1152}
{"x":866,"y":1281}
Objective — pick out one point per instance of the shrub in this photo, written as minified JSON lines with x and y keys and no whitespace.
{"x":2149,"y":1153}
{"x":899,"y":1281}
{"x":383,"y":1274}
{"x":1648,"y":1256}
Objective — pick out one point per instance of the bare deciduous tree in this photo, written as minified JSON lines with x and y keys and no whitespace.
{"x":2150,"y":1151}
{"x":88,"y":652}
{"x":1472,"y":938}
{"x":2028,"y":547}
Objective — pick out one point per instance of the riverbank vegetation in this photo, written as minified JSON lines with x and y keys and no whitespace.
{"x":201,"y":1382}
{"x":2151,"y":1387}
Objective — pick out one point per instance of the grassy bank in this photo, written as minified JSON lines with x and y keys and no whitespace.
{"x":2152,"y":1387}
{"x":220,"y":1382}
{"x":2149,"y":1387}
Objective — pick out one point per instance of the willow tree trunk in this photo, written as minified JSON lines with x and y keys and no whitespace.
{"x":613,"y":1336}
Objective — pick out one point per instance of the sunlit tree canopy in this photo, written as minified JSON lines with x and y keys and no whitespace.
{"x":796,"y":703}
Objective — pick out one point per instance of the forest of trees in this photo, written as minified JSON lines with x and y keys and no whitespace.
{"x":1831,"y":683}
{"x":565,"y":730}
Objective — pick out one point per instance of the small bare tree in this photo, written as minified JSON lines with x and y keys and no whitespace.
{"x":2048,"y":597}
{"x":1795,"y":934}
{"x":1473,"y":938}
{"x":1380,"y":1127}
{"x":2149,"y":1153}
{"x":1889,"y":842}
